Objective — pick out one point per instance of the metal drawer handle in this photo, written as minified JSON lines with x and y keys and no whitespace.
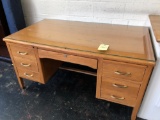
{"x":122,"y":73}
{"x":22,"y":53}
{"x":25,"y":65}
{"x":28,"y":75}
{"x":116,"y":97}
{"x":119,"y":86}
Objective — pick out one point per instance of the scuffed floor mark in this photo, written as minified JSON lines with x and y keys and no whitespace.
{"x":5,"y":69}
{"x":29,"y":117}
{"x":24,"y":92}
{"x":37,"y":95}
{"x":10,"y":90}
{"x":39,"y":117}
{"x":36,"y":102}
{"x":8,"y":77}
{"x":9,"y":84}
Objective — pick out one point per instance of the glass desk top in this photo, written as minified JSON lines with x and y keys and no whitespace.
{"x":124,"y":41}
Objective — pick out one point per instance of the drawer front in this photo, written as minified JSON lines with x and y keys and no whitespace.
{"x":22,"y":51}
{"x":125,"y":88}
{"x":118,"y":98}
{"x":68,"y":58}
{"x":29,"y":75}
{"x":123,"y":70}
{"x":26,"y":64}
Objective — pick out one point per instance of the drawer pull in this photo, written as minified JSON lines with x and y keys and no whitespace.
{"x":25,"y":65}
{"x":119,"y":86}
{"x":28,"y":75}
{"x":22,"y":53}
{"x":122,"y":73}
{"x":116,"y":97}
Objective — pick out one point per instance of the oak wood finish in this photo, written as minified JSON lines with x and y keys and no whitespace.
{"x":49,"y":67}
{"x":93,"y":35}
{"x":141,"y":91}
{"x":20,"y":80}
{"x":155,"y":22}
{"x":26,"y":64}
{"x":120,"y":85}
{"x":79,"y":71}
{"x":68,"y":58}
{"x":121,"y":88}
{"x":123,"y":71}
{"x":28,"y":74}
{"x":113,"y":96}
{"x":22,"y":51}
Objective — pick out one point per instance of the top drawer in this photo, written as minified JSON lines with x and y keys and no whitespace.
{"x":22,"y":51}
{"x":123,"y":70}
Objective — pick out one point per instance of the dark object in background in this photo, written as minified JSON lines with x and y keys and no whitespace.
{"x":4,"y":31}
{"x":14,"y":15}
{"x":11,"y":20}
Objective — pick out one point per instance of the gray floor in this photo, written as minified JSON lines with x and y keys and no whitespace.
{"x":67,"y":96}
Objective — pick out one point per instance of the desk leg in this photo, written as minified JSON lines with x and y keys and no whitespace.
{"x":134,"y":113}
{"x":99,"y":74}
{"x":141,"y":92}
{"x":21,"y":83}
{"x":20,"y":80}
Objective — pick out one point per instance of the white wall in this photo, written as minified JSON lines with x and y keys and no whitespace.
{"x":150,"y":107}
{"x":128,"y":12}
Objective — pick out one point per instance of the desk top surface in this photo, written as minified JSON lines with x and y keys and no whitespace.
{"x":124,"y":41}
{"x":155,"y":22}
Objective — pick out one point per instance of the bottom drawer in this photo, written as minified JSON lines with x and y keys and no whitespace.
{"x":29,"y":75}
{"x":118,"y":98}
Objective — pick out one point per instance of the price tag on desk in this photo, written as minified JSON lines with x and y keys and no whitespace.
{"x":103,"y":47}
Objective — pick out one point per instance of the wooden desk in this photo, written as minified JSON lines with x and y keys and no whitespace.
{"x":123,"y":71}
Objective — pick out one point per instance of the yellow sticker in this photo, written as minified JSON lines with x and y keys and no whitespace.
{"x":103,"y":47}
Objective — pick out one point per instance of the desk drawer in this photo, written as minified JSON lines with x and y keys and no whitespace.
{"x":123,"y":70}
{"x":125,"y":88}
{"x":68,"y":58}
{"x":118,"y":98}
{"x":26,"y":64}
{"x":29,"y":75}
{"x":22,"y":51}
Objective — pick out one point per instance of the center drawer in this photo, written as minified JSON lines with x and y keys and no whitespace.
{"x":123,"y":70}
{"x":68,"y":58}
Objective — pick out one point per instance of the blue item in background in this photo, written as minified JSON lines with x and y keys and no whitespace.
{"x":14,"y":15}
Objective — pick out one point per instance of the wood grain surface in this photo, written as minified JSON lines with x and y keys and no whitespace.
{"x":155,"y":22}
{"x":129,"y":41}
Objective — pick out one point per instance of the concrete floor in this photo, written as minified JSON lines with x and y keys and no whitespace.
{"x":67,"y":96}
